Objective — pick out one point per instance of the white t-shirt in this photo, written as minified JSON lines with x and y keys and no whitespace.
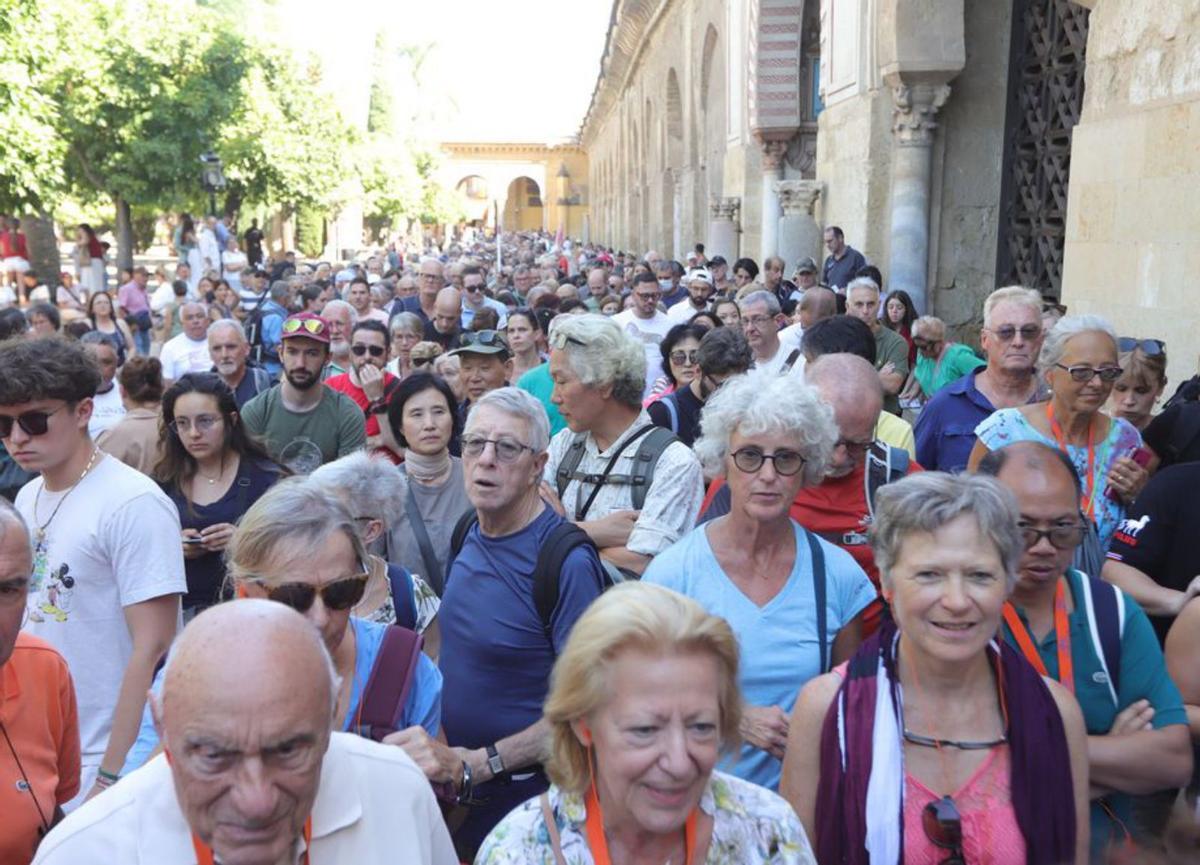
{"x":181,"y":354}
{"x":682,"y":312}
{"x":780,"y":358}
{"x":791,"y":335}
{"x":107,"y":411}
{"x":649,"y":332}
{"x":114,"y":542}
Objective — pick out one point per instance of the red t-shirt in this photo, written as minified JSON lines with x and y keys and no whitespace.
{"x":343,"y":384}
{"x":12,"y":245}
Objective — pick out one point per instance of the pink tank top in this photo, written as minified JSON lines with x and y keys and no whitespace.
{"x":991,"y":835}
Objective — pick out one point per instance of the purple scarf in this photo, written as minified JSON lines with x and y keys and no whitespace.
{"x":1043,"y":795}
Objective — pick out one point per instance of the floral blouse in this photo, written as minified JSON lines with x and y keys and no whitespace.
{"x":750,"y":825}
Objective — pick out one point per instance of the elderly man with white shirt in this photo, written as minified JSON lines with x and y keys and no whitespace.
{"x":187,"y":351}
{"x":762,"y":319}
{"x":250,"y":773}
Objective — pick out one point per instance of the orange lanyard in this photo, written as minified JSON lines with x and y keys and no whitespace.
{"x":1089,"y":483}
{"x":1062,"y":638}
{"x":598,"y":844}
{"x":204,"y":854}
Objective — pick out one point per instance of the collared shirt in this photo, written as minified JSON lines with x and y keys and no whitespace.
{"x":373,"y":805}
{"x":132,"y":298}
{"x":945,"y":429}
{"x":750,"y":824}
{"x":837,"y":272}
{"x":468,"y":312}
{"x":672,"y":500}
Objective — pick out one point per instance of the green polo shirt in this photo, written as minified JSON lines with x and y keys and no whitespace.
{"x":1143,"y":677}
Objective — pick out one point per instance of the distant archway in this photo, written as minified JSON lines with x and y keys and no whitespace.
{"x":473,"y":190}
{"x":523,"y":205}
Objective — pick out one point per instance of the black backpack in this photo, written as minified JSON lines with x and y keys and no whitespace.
{"x":651,"y":442}
{"x":550,"y":559}
{"x":259,"y":352}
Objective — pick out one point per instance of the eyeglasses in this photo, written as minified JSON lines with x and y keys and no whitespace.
{"x":507,"y":450}
{"x":34,"y":423}
{"x":484,"y":337}
{"x":1029,"y":332}
{"x":1060,"y":537}
{"x":921,"y":343}
{"x":422,"y":361}
{"x":756,"y":320}
{"x":689,"y":357}
{"x":472,"y":289}
{"x":360,"y":350}
{"x":1149,"y":347}
{"x":853,"y":448}
{"x":1082,"y":373}
{"x":750,"y":460}
{"x":338,"y":595}
{"x":312,"y":325}
{"x":203,"y":423}
{"x":943,"y":827}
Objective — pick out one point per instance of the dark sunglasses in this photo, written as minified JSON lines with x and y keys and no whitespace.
{"x":1149,"y":347}
{"x":681,"y":357}
{"x":338,"y":595}
{"x":943,"y":827}
{"x":1008,"y":333}
{"x":34,"y":423}
{"x":1060,"y":537}
{"x":1083,"y":373}
{"x":360,"y":349}
{"x":422,"y":361}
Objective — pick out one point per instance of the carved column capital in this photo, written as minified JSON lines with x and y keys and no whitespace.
{"x":798,"y":197}
{"x":915,"y":110}
{"x":725,"y":208}
{"x":773,"y":151}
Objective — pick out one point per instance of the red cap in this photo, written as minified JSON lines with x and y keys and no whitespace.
{"x":308,"y":325}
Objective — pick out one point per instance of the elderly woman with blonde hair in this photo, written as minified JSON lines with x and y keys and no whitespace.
{"x":643,"y":700}
{"x":793,"y":599}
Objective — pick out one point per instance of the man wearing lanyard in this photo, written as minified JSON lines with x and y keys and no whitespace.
{"x":1093,"y":639}
{"x":250,"y":772}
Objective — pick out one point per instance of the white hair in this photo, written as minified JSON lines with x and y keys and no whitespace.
{"x":339,"y":304}
{"x":1011,"y":294}
{"x":1067,"y":329}
{"x":761,"y":296}
{"x":406,"y":322}
{"x":372,"y":485}
{"x":519,"y":404}
{"x":929,"y":325}
{"x":763,"y":401}
{"x":862,"y":282}
{"x":601,"y":353}
{"x":230,"y":323}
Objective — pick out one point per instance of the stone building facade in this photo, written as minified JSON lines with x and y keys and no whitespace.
{"x":961,"y":144}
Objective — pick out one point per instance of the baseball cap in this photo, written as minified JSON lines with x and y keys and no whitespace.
{"x":805,"y":265}
{"x":308,"y":325}
{"x":345,"y":275}
{"x":717,"y":260}
{"x":482,"y":342}
{"x":700,"y":274}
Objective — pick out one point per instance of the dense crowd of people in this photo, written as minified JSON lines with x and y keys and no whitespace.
{"x":530,"y":551}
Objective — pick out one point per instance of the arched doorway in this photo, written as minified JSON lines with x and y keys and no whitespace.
{"x":523,"y":205}
{"x":473,"y":191}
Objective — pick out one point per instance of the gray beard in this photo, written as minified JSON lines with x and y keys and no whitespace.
{"x":339,"y":348}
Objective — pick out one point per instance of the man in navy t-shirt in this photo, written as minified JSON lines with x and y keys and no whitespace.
{"x":496,"y":653}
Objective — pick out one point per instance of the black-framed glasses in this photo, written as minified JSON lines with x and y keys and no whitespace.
{"x":943,"y":827}
{"x":34,"y":423}
{"x":489,"y":337}
{"x":921,"y":343}
{"x":1149,"y":347}
{"x":422,"y":361}
{"x":1060,"y":537}
{"x":202,"y":424}
{"x":507,"y":450}
{"x":472,"y":289}
{"x":853,"y":448}
{"x":1083,"y":373}
{"x":360,"y":349}
{"x":337,"y":595}
{"x":1008,"y":332}
{"x":682,"y":357}
{"x":751,"y":459}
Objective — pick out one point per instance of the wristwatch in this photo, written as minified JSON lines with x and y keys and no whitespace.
{"x":495,"y":764}
{"x":380,"y":407}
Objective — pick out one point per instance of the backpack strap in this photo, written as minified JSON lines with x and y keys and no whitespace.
{"x":1105,"y":607}
{"x":391,"y":679}
{"x":552,"y":830}
{"x":416,"y":523}
{"x":789,"y":361}
{"x":672,"y":411}
{"x":607,"y":477}
{"x":569,"y":463}
{"x":650,"y":449}
{"x":884,"y":465}
{"x":564,"y":538}
{"x":819,"y":594}
{"x":401,"y":583}
{"x":459,"y":535}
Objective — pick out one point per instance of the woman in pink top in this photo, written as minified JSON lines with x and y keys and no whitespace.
{"x":933,"y":744}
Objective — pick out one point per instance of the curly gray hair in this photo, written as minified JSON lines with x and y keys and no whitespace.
{"x":926,"y":501}
{"x":601,"y":353}
{"x":371,"y":485}
{"x":1067,"y":329}
{"x":763,"y":401}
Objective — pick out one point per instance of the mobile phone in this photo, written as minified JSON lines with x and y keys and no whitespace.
{"x":1139,"y":455}
{"x":193,"y":540}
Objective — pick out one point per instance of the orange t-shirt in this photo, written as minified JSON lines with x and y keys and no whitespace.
{"x":37,"y":708}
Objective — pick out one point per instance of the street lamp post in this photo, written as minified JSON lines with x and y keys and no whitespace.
{"x":212,"y":179}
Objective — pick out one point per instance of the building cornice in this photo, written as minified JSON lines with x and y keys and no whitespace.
{"x":513,"y":149}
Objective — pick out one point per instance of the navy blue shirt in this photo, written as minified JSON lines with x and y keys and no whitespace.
{"x":837,"y":272}
{"x":495,"y":655}
{"x":674,"y":296}
{"x":945,"y":430}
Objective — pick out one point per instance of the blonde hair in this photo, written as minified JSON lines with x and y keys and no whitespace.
{"x":1149,"y":369}
{"x":1011,"y":294}
{"x":631,"y":616}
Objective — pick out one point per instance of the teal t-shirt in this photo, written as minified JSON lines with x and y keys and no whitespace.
{"x":957,"y":361}
{"x":538,"y":382}
{"x":1143,"y":676}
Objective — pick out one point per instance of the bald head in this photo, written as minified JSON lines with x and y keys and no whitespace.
{"x":447,"y":310}
{"x":817,"y":303}
{"x":850,"y":385}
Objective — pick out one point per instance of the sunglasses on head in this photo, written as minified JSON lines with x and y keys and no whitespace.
{"x":943,"y":827}
{"x":34,"y":423}
{"x":312,"y":325}
{"x":338,"y":595}
{"x":375,"y":350}
{"x":1149,"y":347}
{"x":484,"y":337}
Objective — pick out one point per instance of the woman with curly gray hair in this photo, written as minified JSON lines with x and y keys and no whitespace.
{"x":792,"y":598}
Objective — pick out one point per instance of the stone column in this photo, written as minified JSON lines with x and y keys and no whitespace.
{"x":723,"y":228}
{"x":679,"y":253}
{"x":799,"y":234}
{"x":773,"y":150}
{"x":913,"y":124}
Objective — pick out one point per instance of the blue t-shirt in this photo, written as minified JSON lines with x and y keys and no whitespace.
{"x":423,"y":706}
{"x":779,"y":642}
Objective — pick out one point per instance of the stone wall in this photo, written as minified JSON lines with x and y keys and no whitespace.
{"x":1133,"y":226}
